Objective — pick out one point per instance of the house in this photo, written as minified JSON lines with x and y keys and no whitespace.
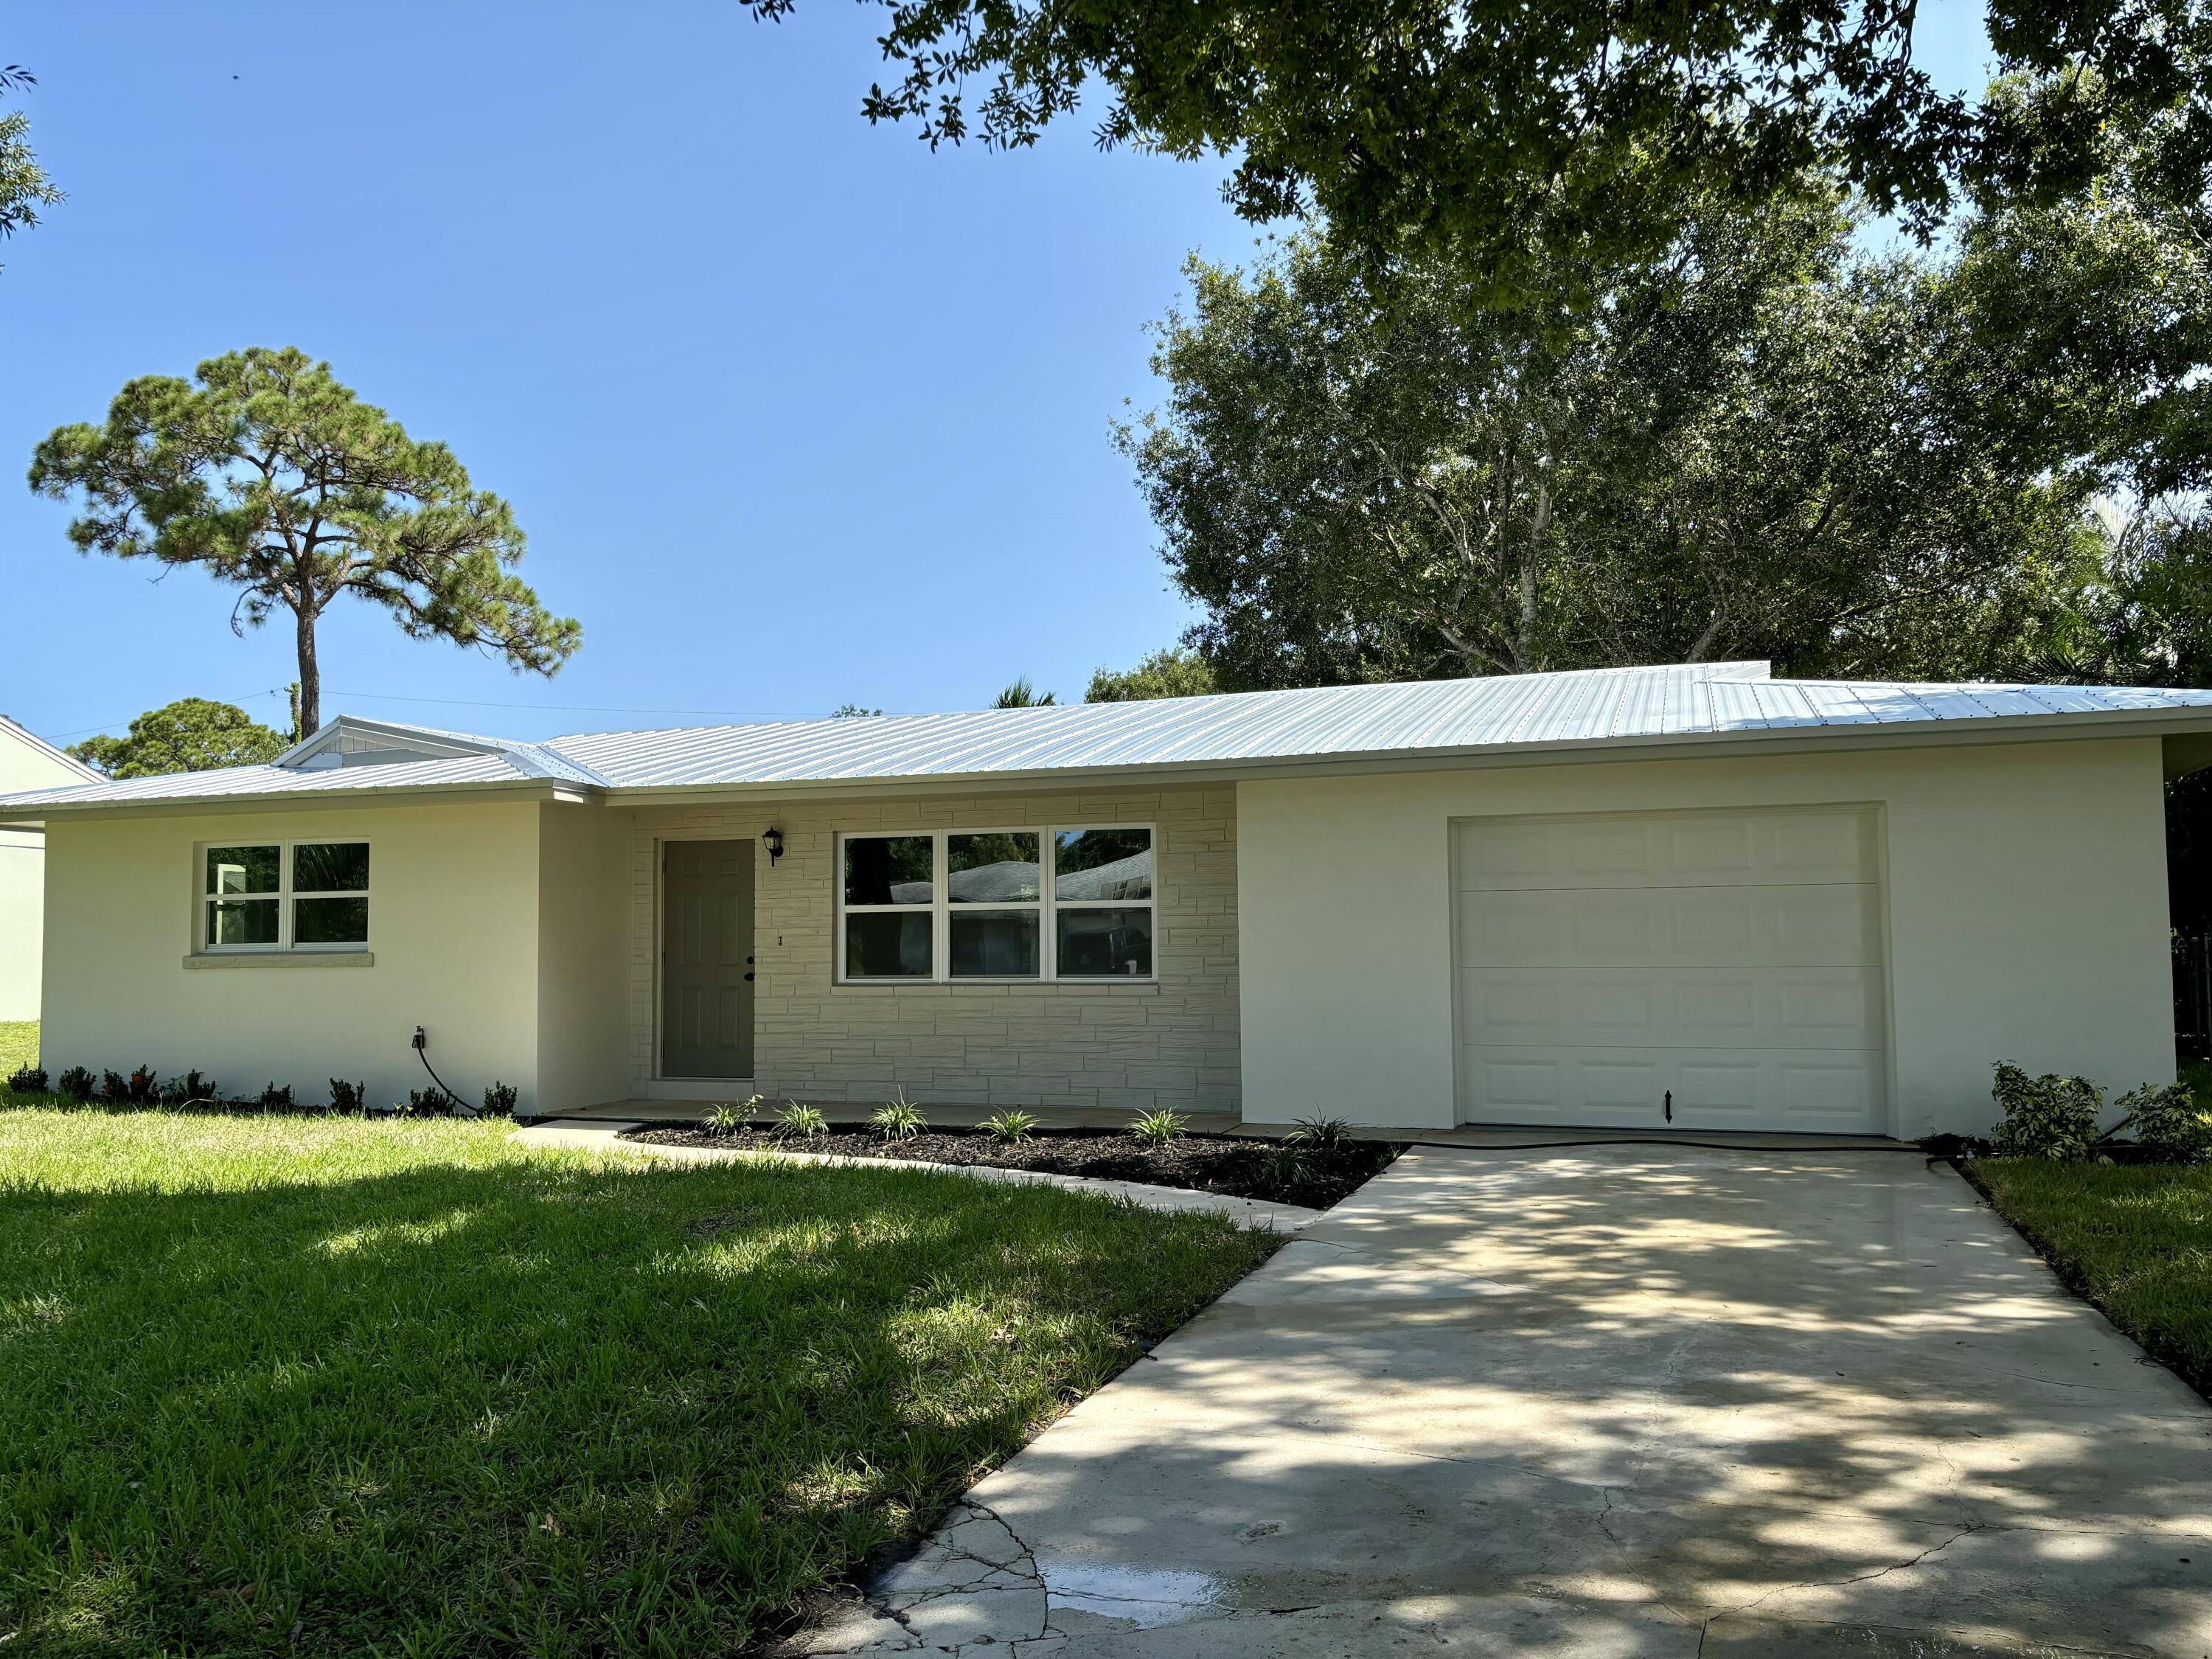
{"x":1693,"y":896}
{"x":26,"y":763}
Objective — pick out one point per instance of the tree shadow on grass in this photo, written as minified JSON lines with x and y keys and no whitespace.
{"x":544,"y":1405}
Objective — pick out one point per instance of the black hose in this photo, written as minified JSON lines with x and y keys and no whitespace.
{"x":423,"y":1053}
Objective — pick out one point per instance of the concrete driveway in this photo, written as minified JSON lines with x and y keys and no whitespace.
{"x":1612,"y":1400}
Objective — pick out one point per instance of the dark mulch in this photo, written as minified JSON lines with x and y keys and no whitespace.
{"x":1209,"y":1164}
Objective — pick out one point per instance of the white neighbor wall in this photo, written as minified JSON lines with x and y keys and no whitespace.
{"x":2026,"y":910}
{"x":25,"y":763}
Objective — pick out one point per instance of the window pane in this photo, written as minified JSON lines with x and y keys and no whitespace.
{"x":994,"y":944}
{"x":242,"y":921}
{"x":887,"y":870}
{"x":330,"y":921}
{"x":241,"y":870}
{"x":991,"y":869}
{"x":1102,"y":944}
{"x":337,"y":866}
{"x":1102,"y":864}
{"x":881,"y":944}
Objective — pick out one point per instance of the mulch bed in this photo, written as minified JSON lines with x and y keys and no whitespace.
{"x":1207,"y":1164}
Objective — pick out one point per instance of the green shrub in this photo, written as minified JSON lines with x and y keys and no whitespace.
{"x":28,"y":1080}
{"x":78,"y":1084}
{"x":276,"y":1097}
{"x":1160,"y":1127}
{"x":500,"y":1099}
{"x":1325,"y":1133}
{"x":802,"y":1122}
{"x":1282,"y":1167}
{"x":722,"y":1119}
{"x":2047,"y":1117}
{"x":190,"y":1090}
{"x":898,"y":1120}
{"x":1011,"y":1127}
{"x":344,"y":1096}
{"x":2168,"y":1123}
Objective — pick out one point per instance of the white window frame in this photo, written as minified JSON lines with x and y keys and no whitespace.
{"x":284,"y":895}
{"x":1048,"y":906}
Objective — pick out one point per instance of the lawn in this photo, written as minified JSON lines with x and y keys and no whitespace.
{"x":2137,"y":1239}
{"x":315,"y":1386}
{"x":19,"y":1044}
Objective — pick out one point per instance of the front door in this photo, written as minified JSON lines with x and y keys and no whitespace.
{"x":707,"y":959}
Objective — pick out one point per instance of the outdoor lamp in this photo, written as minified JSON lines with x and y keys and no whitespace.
{"x":774,"y":841}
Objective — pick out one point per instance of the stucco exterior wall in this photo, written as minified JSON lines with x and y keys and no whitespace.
{"x":583,"y":956}
{"x":1173,"y":1043}
{"x":2026,"y":912}
{"x":454,"y":894}
{"x":23,"y":876}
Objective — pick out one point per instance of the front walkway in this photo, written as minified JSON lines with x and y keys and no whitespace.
{"x":1611,"y":1402}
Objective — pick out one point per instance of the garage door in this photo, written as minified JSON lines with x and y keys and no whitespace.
{"x":1728,"y":962}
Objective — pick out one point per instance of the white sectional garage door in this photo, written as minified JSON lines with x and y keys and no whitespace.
{"x":1730,"y":960}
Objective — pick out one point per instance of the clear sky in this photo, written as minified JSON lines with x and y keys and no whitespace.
{"x":793,"y":412}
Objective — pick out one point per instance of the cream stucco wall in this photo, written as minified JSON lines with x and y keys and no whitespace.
{"x":1172,"y":1043}
{"x":583,"y":956}
{"x":2026,"y":896}
{"x":453,"y":908}
{"x":22,"y":875}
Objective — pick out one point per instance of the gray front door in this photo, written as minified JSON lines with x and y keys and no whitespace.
{"x":707,"y":959}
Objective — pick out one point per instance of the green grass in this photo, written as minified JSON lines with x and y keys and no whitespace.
{"x":19,"y":1044}
{"x":305,"y":1386}
{"x":2135,"y":1238}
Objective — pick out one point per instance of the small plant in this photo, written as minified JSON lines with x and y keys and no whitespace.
{"x":2168,"y":1123}
{"x":1282,"y":1167}
{"x":346,"y":1096}
{"x":76,"y":1083}
{"x":722,"y":1119}
{"x":1160,"y":1127}
{"x":430,"y":1102}
{"x":2047,"y":1117}
{"x":1011,"y":1127}
{"x":114,"y":1086}
{"x":276,"y":1097}
{"x":801,"y":1122}
{"x":190,"y":1090}
{"x":900,"y":1120}
{"x":500,"y":1099}
{"x":1322,"y":1133}
{"x":28,"y":1080}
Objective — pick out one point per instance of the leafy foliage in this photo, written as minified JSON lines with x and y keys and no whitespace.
{"x":24,"y":186}
{"x":1160,"y":1127}
{"x":1011,"y":1127}
{"x":1503,"y":136}
{"x":347,"y":1097}
{"x":75,"y":1084}
{"x":500,"y":1098}
{"x":898,"y":1120}
{"x":2168,"y":1123}
{"x":722,"y":1119}
{"x":267,"y":473}
{"x":1324,"y":1134}
{"x":1022,"y":695}
{"x":1754,"y":447}
{"x":801,"y":1122}
{"x":28,"y":1080}
{"x":193,"y":734}
{"x":2047,"y":1117}
{"x":1178,"y":671}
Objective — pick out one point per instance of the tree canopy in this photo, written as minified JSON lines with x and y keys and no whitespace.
{"x":193,"y":734}
{"x":1759,"y":444}
{"x":1177,"y":671}
{"x":1022,"y":695}
{"x":274,"y":478}
{"x":24,"y":186}
{"x":1510,"y":135}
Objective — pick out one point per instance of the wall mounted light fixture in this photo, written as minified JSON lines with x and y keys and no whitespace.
{"x":774,"y":841}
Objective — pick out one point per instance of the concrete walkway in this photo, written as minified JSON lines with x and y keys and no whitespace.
{"x":604,"y":1135}
{"x":1608,"y":1401}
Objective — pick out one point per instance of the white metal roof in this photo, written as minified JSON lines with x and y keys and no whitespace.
{"x":1583,"y":710}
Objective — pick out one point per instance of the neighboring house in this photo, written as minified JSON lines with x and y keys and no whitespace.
{"x":26,"y":763}
{"x":1688,"y":894}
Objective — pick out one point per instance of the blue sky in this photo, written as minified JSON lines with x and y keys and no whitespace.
{"x":793,"y":412}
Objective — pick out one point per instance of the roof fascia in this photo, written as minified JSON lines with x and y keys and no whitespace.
{"x":334,"y":800}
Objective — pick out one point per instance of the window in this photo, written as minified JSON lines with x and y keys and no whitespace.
{"x":996,"y":904}
{"x":285,"y":895}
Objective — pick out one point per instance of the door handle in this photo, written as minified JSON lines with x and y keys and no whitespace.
{"x":749,"y":979}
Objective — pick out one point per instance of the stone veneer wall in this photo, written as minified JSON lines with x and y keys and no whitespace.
{"x":1169,"y":1044}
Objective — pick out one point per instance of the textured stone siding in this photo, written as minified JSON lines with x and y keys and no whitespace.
{"x":1172,"y":1043}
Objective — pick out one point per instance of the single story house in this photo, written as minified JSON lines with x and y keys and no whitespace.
{"x":1695,"y":896}
{"x":26,"y":763}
